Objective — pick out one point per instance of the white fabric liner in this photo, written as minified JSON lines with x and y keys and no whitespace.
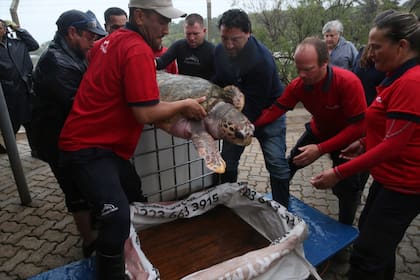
{"x":282,"y":259}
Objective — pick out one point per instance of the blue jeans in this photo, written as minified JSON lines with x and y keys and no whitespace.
{"x":272,"y":139}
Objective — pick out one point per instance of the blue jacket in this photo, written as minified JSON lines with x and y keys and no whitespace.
{"x":254,"y":72}
{"x":344,"y":54}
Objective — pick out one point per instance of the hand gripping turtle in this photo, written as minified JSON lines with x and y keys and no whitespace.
{"x":224,"y":119}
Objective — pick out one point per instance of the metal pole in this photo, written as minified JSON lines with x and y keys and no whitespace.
{"x":209,"y":26}
{"x":12,"y":151}
{"x":13,"y":11}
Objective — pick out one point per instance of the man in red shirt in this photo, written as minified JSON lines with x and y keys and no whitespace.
{"x":335,"y":99}
{"x":118,"y":94}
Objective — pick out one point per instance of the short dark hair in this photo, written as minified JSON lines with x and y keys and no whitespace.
{"x":113,"y":11}
{"x":191,"y":19}
{"x":236,"y":18}
{"x":320,"y":48}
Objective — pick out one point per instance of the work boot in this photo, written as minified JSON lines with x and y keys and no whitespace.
{"x":280,"y":190}
{"x":110,"y":267}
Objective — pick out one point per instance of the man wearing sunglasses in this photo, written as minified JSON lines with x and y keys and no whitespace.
{"x":56,"y":79}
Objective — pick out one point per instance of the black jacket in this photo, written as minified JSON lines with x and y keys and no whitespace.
{"x":15,"y":75}
{"x":56,"y":79}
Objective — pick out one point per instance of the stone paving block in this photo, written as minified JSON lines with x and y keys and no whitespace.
{"x":11,"y":227}
{"x":16,"y":260}
{"x":32,"y":220}
{"x":54,"y":215}
{"x":5,"y":216}
{"x":409,"y":253}
{"x":8,"y":251}
{"x":37,"y":257}
{"x":63,"y":223}
{"x":30,"y":243}
{"x":15,"y":237}
{"x":43,"y":227}
{"x":53,"y":236}
{"x":25,"y":271}
{"x":64,"y":247}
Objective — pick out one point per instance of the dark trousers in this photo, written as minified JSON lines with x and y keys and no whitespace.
{"x":108,"y":183}
{"x":383,"y":222}
{"x":348,"y":191}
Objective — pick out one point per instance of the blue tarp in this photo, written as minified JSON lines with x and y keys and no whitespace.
{"x":80,"y":270}
{"x":326,"y":235}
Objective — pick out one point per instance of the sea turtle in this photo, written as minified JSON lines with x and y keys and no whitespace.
{"x":224,"y":119}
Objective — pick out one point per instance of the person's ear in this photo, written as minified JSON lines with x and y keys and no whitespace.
{"x":139,"y":15}
{"x":403,"y":43}
{"x":71,"y":32}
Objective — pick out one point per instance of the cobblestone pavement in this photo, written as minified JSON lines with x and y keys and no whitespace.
{"x":42,"y":236}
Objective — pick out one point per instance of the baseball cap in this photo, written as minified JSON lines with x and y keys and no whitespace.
{"x":80,"y":20}
{"x":162,"y":7}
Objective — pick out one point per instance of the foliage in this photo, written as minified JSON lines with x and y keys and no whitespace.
{"x":281,"y":25}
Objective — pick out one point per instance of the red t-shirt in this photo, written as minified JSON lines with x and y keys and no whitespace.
{"x":335,"y":102}
{"x":121,"y":74}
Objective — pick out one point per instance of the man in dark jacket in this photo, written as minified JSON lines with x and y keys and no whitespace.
{"x":245,"y":62}
{"x":15,"y":75}
{"x":56,"y":79}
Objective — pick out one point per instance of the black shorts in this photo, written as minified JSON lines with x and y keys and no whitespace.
{"x":95,"y":174}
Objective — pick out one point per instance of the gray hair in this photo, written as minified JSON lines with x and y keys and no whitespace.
{"x":333,"y":25}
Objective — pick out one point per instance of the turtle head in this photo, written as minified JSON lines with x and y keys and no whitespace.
{"x":226,"y":122}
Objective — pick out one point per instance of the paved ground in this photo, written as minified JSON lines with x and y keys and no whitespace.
{"x":42,"y":236}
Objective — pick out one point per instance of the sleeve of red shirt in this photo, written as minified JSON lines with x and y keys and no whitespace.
{"x":354,"y":106}
{"x":269,"y":115}
{"x":388,"y":149}
{"x":284,"y":103}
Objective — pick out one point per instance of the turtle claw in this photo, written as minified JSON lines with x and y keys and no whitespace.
{"x":207,"y":150}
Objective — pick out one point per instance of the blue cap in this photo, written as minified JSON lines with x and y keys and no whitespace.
{"x":81,"y":21}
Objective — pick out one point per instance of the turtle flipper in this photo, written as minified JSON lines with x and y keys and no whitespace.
{"x":207,"y":149}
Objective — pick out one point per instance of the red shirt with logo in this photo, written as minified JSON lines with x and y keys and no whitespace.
{"x":121,"y":74}
{"x":336,"y":102}
{"x":394,"y":114}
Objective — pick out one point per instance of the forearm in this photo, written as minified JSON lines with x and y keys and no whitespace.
{"x":387,"y":150}
{"x":269,"y":115}
{"x":159,"y":112}
{"x":27,"y":38}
